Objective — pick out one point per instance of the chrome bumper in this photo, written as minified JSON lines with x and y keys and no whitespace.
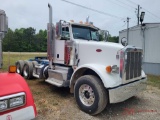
{"x":123,"y":92}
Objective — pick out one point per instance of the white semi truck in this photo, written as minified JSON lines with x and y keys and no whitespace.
{"x":98,"y":73}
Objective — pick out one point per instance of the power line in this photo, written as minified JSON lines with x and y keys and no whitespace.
{"x":101,"y":12}
{"x":151,"y":13}
{"x":144,"y":9}
{"x":125,"y":4}
{"x":120,"y":5}
{"x":132,"y":2}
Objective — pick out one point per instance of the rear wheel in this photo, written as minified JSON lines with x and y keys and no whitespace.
{"x":45,"y":72}
{"x":28,"y":70}
{"x":19,"y":65}
{"x":90,"y":94}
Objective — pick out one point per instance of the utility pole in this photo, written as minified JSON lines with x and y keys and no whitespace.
{"x":127,"y":29}
{"x":138,"y":14}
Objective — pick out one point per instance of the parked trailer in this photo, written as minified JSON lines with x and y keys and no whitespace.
{"x":98,"y":73}
{"x":147,"y":37}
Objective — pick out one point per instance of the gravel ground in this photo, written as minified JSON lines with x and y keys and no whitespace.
{"x":58,"y":104}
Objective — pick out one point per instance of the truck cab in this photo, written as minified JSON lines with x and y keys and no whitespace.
{"x":97,"y":72}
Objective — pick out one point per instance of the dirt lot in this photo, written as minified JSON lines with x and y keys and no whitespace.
{"x":58,"y":104}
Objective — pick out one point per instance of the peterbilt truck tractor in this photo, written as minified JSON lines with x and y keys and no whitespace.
{"x":97,"y":72}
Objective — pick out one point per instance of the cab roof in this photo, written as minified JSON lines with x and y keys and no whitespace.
{"x":84,"y":25}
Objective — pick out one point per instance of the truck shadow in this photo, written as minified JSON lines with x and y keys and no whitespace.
{"x":61,"y":91}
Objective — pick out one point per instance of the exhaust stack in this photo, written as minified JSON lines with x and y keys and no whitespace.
{"x":87,"y":19}
{"x":50,"y":38}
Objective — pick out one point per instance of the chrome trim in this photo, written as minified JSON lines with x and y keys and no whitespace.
{"x":122,"y":93}
{"x":123,"y":53}
{"x":8,"y":97}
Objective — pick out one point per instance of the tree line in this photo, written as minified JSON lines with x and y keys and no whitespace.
{"x":27,"y":40}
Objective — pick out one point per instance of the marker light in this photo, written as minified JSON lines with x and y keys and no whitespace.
{"x":12,"y":69}
{"x":113,"y":68}
{"x":108,"y":69}
{"x":81,"y":22}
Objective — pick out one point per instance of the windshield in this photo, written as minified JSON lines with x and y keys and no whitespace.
{"x":86,"y":33}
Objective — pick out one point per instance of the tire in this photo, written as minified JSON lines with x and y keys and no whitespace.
{"x":28,"y":70}
{"x":19,"y":64}
{"x":34,"y":63}
{"x":45,"y":72}
{"x":90,"y":94}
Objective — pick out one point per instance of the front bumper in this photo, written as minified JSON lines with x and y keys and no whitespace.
{"x":26,"y":113}
{"x":123,"y":92}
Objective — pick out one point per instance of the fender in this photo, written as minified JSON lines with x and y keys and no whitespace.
{"x":108,"y":79}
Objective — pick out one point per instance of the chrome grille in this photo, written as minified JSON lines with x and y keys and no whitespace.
{"x":133,"y":64}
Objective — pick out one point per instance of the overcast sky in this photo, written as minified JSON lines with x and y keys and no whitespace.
{"x":34,"y":13}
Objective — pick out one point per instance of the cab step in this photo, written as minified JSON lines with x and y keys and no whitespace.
{"x":60,"y":76}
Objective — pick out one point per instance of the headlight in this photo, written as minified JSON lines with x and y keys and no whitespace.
{"x":16,"y":101}
{"x":3,"y":105}
{"x":12,"y":101}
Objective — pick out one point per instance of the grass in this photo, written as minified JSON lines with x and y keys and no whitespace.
{"x":154,"y":80}
{"x":11,"y":58}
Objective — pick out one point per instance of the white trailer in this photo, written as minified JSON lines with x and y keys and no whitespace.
{"x":147,"y":37}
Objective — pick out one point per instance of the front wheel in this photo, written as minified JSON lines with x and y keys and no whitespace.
{"x":90,"y":94}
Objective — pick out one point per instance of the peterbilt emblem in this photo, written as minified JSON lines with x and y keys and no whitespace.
{"x":98,"y":50}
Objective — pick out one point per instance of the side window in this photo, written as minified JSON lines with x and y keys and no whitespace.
{"x":94,"y":35}
{"x":65,"y":33}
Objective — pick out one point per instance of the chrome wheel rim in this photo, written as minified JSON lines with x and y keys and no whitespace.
{"x":86,"y":95}
{"x":18,"y":69}
{"x":25,"y":73}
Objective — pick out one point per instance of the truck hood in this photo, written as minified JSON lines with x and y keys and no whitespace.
{"x":103,"y":53}
{"x":11,"y":83}
{"x":100,"y":43}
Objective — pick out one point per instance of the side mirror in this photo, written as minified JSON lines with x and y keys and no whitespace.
{"x":124,"y":41}
{"x":103,"y":35}
{"x":3,"y":22}
{"x":62,"y":32}
{"x":59,"y":29}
